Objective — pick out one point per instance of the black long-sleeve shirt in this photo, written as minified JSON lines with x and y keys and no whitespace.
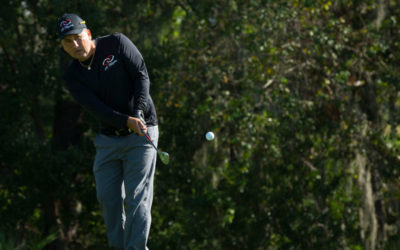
{"x":116,"y":86}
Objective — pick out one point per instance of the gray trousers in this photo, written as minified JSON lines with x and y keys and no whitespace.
{"x":124,"y":171}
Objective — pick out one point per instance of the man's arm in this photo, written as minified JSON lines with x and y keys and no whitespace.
{"x":139,"y":75}
{"x":95,"y":106}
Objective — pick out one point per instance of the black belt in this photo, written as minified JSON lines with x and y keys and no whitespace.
{"x":116,"y":132}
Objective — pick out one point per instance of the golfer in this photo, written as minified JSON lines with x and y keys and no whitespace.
{"x":108,"y":77}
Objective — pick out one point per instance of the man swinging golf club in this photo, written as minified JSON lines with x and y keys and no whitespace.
{"x":108,"y":77}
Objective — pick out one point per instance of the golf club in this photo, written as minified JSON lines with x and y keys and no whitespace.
{"x":164,"y":156}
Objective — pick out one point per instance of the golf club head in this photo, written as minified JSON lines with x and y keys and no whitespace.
{"x":164,"y":157}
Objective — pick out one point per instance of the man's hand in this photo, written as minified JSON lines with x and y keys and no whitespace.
{"x":136,"y":125}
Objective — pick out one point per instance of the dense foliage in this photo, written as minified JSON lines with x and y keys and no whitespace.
{"x":303,"y":97}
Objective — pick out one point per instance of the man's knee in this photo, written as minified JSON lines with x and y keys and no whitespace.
{"x":105,"y":195}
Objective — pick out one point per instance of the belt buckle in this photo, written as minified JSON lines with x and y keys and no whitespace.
{"x":116,"y":132}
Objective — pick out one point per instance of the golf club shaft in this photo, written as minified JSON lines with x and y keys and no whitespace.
{"x":164,"y":156}
{"x":149,"y":139}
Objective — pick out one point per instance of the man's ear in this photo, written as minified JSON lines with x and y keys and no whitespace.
{"x":89,"y":33}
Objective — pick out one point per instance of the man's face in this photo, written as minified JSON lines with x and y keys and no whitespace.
{"x":78,"y":46}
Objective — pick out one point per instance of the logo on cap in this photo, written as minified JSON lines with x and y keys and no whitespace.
{"x":66,"y":24}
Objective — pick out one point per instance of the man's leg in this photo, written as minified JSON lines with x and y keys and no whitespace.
{"x":139,"y":167}
{"x":108,"y":175}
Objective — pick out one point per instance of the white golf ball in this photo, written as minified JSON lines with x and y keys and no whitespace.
{"x":210,"y":136}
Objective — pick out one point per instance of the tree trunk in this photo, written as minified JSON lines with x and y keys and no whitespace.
{"x":368,"y":220}
{"x":66,"y":132}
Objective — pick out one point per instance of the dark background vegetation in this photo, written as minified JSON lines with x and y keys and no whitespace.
{"x":303,"y":97}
